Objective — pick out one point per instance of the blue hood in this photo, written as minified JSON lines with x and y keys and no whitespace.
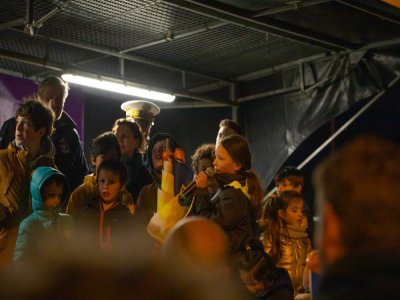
{"x":39,"y":177}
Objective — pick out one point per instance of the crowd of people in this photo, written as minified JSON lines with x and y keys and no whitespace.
{"x":234,"y":242}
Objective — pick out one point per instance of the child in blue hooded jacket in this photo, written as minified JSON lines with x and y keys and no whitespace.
{"x":45,"y":230}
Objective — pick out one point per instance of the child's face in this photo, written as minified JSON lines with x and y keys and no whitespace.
{"x":111,"y":154}
{"x":126,"y":140}
{"x":223,"y":162}
{"x":25,"y":133}
{"x":293,"y":215}
{"x":109,"y":185}
{"x":287,"y":185}
{"x":52,"y":194}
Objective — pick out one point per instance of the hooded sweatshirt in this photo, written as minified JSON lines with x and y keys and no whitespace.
{"x":45,"y":230}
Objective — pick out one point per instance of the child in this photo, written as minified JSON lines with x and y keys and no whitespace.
{"x":235,"y":206}
{"x":45,"y":231}
{"x":201,"y":160}
{"x":105,"y":220}
{"x":31,"y":148}
{"x":131,"y":142}
{"x":260,"y":275}
{"x":104,"y":147}
{"x":284,"y":238}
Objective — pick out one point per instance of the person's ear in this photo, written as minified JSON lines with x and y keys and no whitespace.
{"x":281,"y":213}
{"x":93,"y":159}
{"x":237,"y":166}
{"x":41,"y":132}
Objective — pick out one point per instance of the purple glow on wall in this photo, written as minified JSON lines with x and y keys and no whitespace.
{"x":13,"y":89}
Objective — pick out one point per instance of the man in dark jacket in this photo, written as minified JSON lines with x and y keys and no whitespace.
{"x":357,"y":190}
{"x":69,"y":157}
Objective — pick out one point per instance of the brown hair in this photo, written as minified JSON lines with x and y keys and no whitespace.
{"x":203,"y":151}
{"x":239,"y":150}
{"x":40,"y":114}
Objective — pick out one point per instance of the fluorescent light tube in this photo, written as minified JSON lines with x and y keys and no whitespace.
{"x":117,"y":87}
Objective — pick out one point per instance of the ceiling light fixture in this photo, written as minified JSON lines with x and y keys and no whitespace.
{"x":117,"y":87}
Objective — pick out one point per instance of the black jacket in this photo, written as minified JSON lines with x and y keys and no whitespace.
{"x":362,"y":277}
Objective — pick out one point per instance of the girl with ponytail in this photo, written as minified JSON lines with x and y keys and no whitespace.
{"x":236,"y":204}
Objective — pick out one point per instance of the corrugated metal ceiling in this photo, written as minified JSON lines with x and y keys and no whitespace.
{"x":183,"y":44}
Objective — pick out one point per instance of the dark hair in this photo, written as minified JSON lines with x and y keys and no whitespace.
{"x":134,"y":129}
{"x":54,"y":81}
{"x":294,"y":175}
{"x":203,"y":151}
{"x":239,"y":150}
{"x":40,"y":114}
{"x":231,"y":124}
{"x":361,"y":183}
{"x":104,"y":143}
{"x":272,"y":223}
{"x":115,"y":166}
{"x":258,"y":264}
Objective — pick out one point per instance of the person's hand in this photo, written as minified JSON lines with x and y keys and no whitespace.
{"x":201,"y":180}
{"x":312,"y":261}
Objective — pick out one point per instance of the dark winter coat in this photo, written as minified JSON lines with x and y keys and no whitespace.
{"x":98,"y":227}
{"x":362,"y":277}
{"x":138,"y":175}
{"x":230,"y":208}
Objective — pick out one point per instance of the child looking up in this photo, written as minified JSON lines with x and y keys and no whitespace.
{"x":235,"y":205}
{"x":285,"y":238}
{"x":104,"y":147}
{"x":45,"y":231}
{"x":131,"y":142}
{"x":105,"y":221}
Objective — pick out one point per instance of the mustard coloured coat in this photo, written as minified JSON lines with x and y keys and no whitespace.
{"x":15,"y":169}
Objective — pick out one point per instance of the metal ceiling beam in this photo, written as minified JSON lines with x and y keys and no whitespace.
{"x":226,"y":13}
{"x":261,"y":73}
{"x":369,"y":10}
{"x":294,"y":5}
{"x":32,"y":60}
{"x":380,"y":44}
{"x":175,"y":35}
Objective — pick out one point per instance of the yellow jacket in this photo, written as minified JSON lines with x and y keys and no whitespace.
{"x":86,"y":191}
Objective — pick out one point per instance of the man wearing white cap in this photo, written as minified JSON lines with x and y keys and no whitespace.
{"x":143,"y":113}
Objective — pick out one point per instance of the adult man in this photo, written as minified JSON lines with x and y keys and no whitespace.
{"x":358,"y":193}
{"x":69,"y":157}
{"x":143,"y":113}
{"x":226,"y":128}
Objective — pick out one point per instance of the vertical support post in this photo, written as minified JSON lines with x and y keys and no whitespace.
{"x":301,"y":76}
{"x":233,"y":97}
{"x":122,"y":67}
{"x":184,"y":80}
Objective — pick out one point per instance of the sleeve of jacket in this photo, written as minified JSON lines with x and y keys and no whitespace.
{"x":25,"y":247}
{"x":79,"y":168}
